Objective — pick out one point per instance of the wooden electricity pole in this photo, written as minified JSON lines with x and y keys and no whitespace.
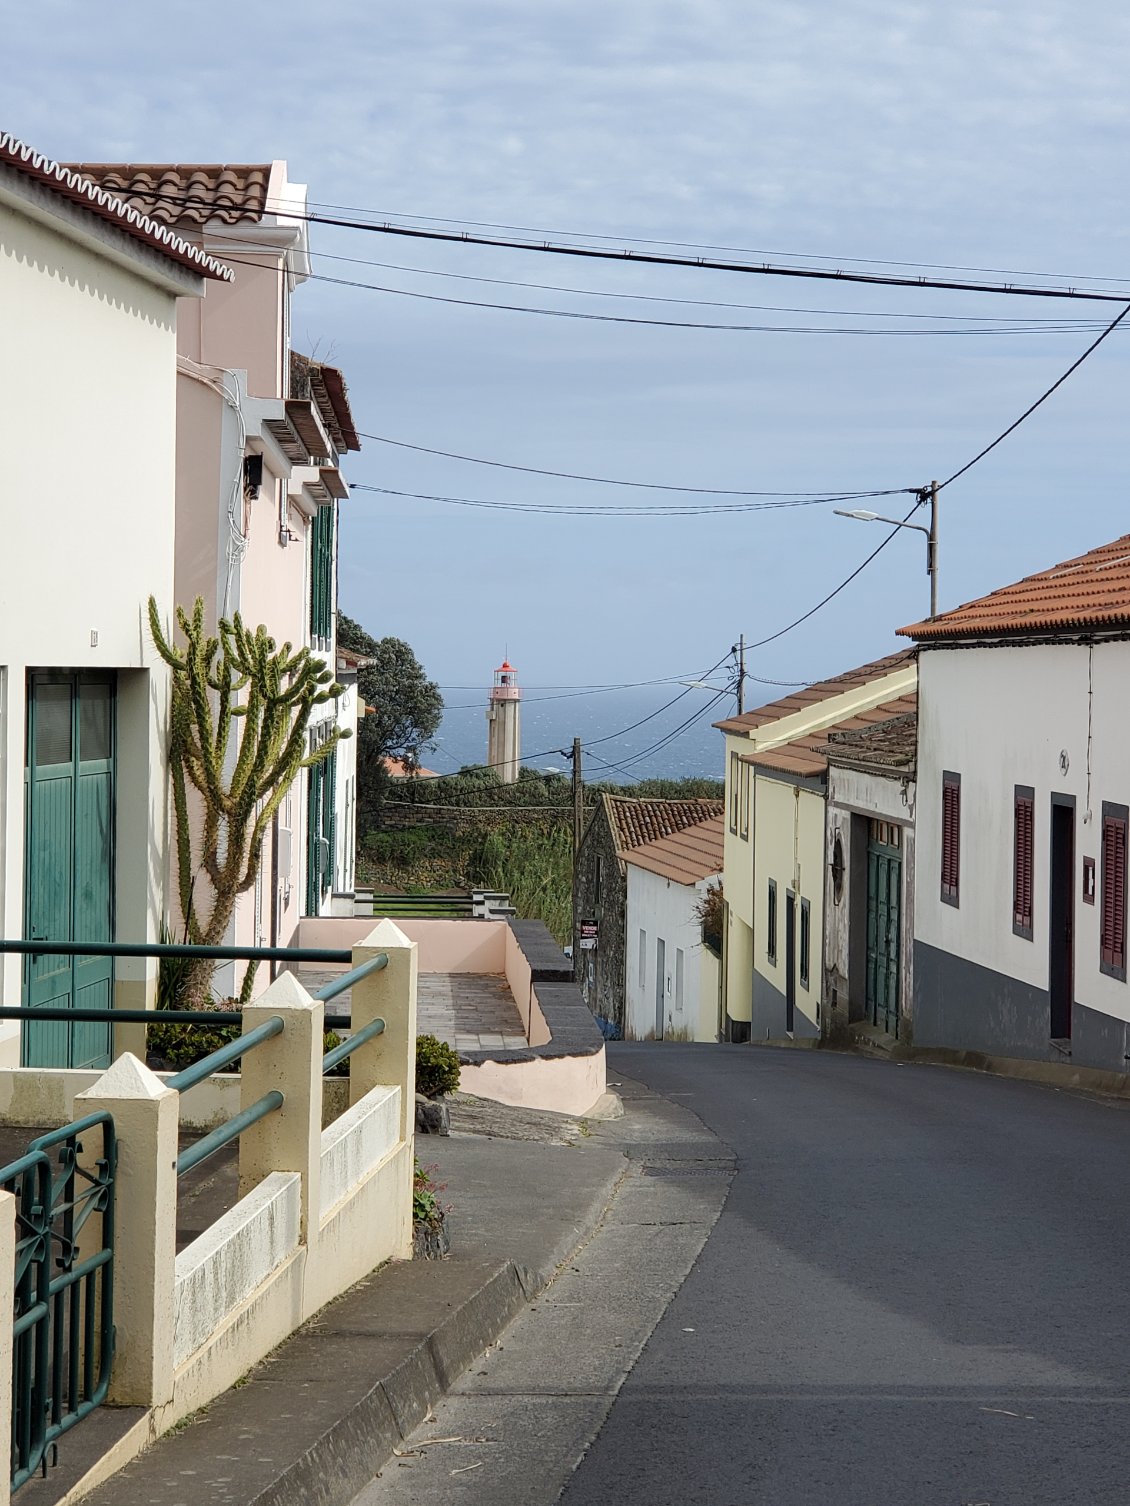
{"x":578,"y":801}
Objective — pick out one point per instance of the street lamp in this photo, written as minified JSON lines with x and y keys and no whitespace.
{"x":929,"y":495}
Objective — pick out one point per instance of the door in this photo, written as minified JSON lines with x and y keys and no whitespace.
{"x":660,"y":982}
{"x":790,"y":961}
{"x":69,"y":861}
{"x":1061,"y":916}
{"x":884,"y":923}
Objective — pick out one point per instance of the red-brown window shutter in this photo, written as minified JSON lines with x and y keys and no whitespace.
{"x":1113,"y":939}
{"x":951,"y":835}
{"x":1024,"y":826}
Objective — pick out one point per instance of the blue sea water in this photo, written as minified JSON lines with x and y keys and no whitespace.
{"x":605,"y":723}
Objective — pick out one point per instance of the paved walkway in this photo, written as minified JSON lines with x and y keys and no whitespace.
{"x":470,"y":1011}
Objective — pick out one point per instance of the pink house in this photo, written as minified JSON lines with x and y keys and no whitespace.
{"x":261,"y":431}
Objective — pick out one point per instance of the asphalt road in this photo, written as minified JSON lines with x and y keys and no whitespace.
{"x":918,"y":1294}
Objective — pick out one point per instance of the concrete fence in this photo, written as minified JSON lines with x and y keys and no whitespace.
{"x":319,"y":1207}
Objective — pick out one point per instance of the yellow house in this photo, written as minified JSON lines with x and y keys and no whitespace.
{"x":773,"y":862}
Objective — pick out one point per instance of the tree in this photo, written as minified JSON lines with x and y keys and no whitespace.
{"x":404,"y":710}
{"x":236,"y":692}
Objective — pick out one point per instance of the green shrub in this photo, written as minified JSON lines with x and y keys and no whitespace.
{"x":437,"y":1067}
{"x":174,"y":1047}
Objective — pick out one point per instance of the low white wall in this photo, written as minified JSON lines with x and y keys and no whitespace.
{"x":563,"y":1084}
{"x":357,"y":1142}
{"x":220,"y":1270}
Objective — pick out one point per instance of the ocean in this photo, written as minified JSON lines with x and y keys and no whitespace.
{"x":615,"y":749}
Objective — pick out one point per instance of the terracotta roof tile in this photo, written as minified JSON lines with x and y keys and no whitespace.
{"x":810,"y":695}
{"x":1090,"y":591}
{"x":325,"y":386}
{"x":807,"y":757}
{"x":690,"y":855}
{"x":634,"y":822}
{"x":84,"y":192}
{"x":888,"y":747}
{"x":185,"y":193}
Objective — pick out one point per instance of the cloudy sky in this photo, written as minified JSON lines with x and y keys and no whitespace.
{"x":858,"y":132}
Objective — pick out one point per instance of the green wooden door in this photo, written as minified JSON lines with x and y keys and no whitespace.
{"x":69,"y":861}
{"x":884,"y":891}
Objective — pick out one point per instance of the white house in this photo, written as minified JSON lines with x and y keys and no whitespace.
{"x":261,"y":431}
{"x":869,"y":878}
{"x":776,"y":784}
{"x":89,"y":290}
{"x":1023,"y":793}
{"x":673,"y":985}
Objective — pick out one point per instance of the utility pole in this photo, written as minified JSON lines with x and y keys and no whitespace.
{"x":578,"y":801}
{"x":739,"y":649}
{"x":932,"y":549}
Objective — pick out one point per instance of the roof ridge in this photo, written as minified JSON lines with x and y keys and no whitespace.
{"x":107,"y":206}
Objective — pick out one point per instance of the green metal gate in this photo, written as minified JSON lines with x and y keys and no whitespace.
{"x":63,"y":1335}
{"x":69,"y":861}
{"x":884,"y":893}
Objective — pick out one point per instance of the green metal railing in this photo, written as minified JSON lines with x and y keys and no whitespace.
{"x":63,"y":1331}
{"x":344,"y":1049}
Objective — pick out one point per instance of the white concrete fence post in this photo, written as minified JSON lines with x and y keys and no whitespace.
{"x":290,"y":1139}
{"x":146,"y":1117}
{"x":389,"y":994}
{"x":7,"y":1306}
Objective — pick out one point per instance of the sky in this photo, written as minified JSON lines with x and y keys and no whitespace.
{"x":819,"y":133}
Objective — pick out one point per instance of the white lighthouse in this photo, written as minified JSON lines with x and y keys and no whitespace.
{"x":504,"y":724}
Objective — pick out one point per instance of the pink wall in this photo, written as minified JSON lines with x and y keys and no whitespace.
{"x":562,"y":1084}
{"x":242,"y":327}
{"x":446,"y":946}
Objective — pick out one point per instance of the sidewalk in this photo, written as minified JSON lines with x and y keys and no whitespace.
{"x":317,"y":1419}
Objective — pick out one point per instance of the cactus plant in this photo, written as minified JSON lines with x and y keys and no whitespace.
{"x":237,"y":737}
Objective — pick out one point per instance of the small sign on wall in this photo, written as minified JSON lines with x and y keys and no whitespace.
{"x":587,"y":932}
{"x":1088,"y":881}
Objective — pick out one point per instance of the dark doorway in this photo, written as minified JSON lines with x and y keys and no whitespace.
{"x":1061,"y":945}
{"x":790,"y":961}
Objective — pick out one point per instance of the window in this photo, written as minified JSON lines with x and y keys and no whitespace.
{"x":735,"y":765}
{"x":805,"y":941}
{"x":678,"y":980}
{"x":743,"y":802}
{"x":322,"y":575}
{"x":321,"y":806}
{"x":771,"y":922}
{"x":1112,"y":957}
{"x":643,"y":959}
{"x":1023,"y":847}
{"x":951,"y":836}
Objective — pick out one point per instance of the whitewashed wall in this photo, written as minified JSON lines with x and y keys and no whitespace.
{"x":1002,"y":717}
{"x":663,"y":909}
{"x":87,"y":389}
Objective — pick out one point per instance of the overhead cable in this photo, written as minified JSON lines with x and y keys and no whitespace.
{"x":1075,"y":365}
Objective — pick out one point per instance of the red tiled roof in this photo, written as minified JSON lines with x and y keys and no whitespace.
{"x":325,"y":386}
{"x":688,"y":856}
{"x":634,"y":822}
{"x":1090,"y":591}
{"x":80,"y":190}
{"x":811,"y":695}
{"x":887,"y":747}
{"x":807,"y":757}
{"x":185,"y":193}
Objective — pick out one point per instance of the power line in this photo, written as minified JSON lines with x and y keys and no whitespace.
{"x":544,"y":246}
{"x":701,"y":263}
{"x":834,"y":593}
{"x":554,"y":509}
{"x":655,"y":486}
{"x":969,"y":464}
{"x":1037,"y":324}
{"x":987,"y":324}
